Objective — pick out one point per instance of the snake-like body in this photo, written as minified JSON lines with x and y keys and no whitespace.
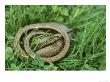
{"x":48,"y":51}
{"x":51,"y":53}
{"x":51,"y":50}
{"x":48,"y":40}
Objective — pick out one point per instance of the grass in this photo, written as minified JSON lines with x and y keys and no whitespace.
{"x":88,"y":44}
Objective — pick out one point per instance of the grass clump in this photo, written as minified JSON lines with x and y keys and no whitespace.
{"x":88,"y":44}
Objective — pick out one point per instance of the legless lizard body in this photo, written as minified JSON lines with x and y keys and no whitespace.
{"x":53,"y":26}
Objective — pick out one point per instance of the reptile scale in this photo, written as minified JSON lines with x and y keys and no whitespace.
{"x":52,"y":48}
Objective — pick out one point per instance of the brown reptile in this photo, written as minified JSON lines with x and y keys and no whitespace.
{"x":46,"y":53}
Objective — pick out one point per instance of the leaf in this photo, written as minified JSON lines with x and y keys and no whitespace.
{"x":10,"y":37}
{"x":60,"y":19}
{"x":88,"y":67}
{"x":64,"y":11}
{"x":9,"y":53}
{"x":9,"y":50}
{"x":51,"y":66}
{"x":14,"y":67}
{"x":55,"y":8}
{"x":38,"y":61}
